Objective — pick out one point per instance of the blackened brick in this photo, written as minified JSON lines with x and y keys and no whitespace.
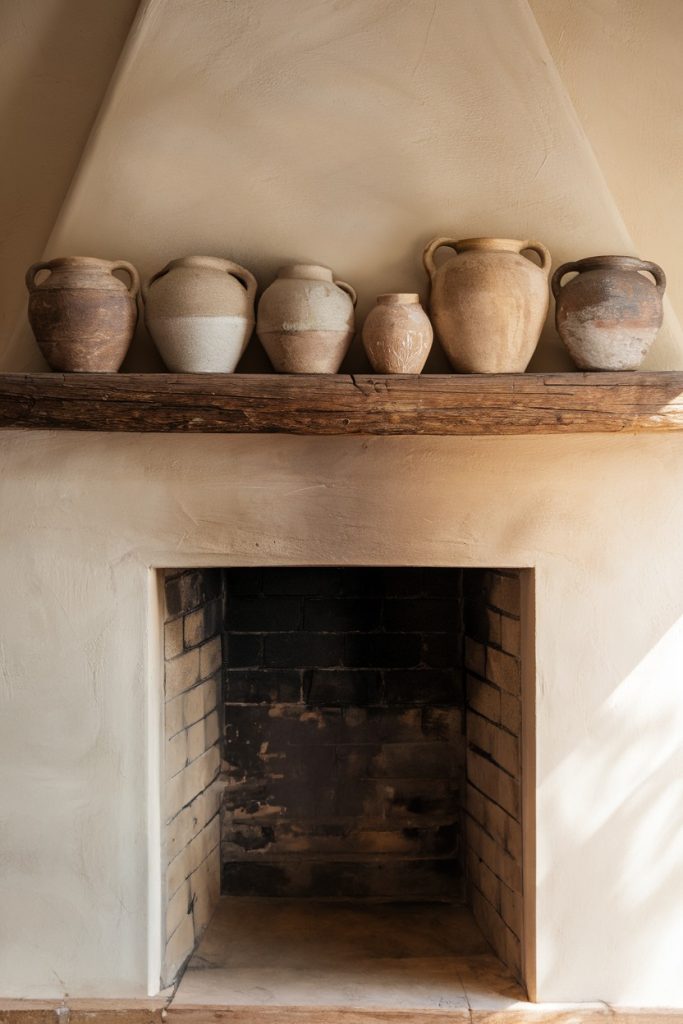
{"x":441,"y":723}
{"x":412,"y":761}
{"x":342,"y":687}
{"x":262,"y":686}
{"x":261,"y":614}
{"x":378,"y":725}
{"x":349,"y":614}
{"x":422,"y":582}
{"x":193,"y":588}
{"x":441,"y":650}
{"x":304,"y":650}
{"x":363,"y":582}
{"x":244,"y":650}
{"x":243,"y":581}
{"x":383,"y":650}
{"x":302,"y":581}
{"x":422,"y":687}
{"x":435,"y":615}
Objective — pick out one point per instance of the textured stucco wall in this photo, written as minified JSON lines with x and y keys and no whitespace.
{"x":56,"y":60}
{"x":347,"y":134}
{"x":620,"y":63}
{"x":85,"y":515}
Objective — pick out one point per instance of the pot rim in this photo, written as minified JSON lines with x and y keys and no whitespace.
{"x":618,"y":262}
{"x":399,"y":298}
{"x":306,"y":272}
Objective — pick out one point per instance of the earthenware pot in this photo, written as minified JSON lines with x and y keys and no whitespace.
{"x":488,"y":303}
{"x":200,"y":313}
{"x":397,"y":334}
{"x":609,"y":314}
{"x":306,"y":320}
{"x":82,"y":316}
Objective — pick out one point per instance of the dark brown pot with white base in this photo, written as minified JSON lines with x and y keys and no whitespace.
{"x":82,"y":316}
{"x":609,"y":314}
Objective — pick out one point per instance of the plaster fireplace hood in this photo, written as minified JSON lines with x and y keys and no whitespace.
{"x":91,"y":517}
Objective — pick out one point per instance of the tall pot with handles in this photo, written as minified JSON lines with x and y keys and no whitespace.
{"x":200,"y":313}
{"x":488,"y":302}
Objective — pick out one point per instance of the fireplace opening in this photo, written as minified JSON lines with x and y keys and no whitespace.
{"x":343,"y":784}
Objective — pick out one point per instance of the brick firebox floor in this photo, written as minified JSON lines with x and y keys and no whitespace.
{"x":353,"y":955}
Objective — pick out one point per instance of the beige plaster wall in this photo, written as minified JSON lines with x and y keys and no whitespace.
{"x":347,"y":134}
{"x":56,"y":60}
{"x":620,"y":61}
{"x":86,"y":515}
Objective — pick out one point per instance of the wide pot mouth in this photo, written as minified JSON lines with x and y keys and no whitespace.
{"x":399,"y":299}
{"x":84,"y":262}
{"x":307,"y":271}
{"x":489,"y":245}
{"x":208,"y":262}
{"x":611,"y":262}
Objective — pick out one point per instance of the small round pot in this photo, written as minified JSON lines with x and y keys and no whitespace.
{"x":306,"y":320}
{"x":397,"y":334}
{"x":82,"y":316}
{"x":609,"y":314}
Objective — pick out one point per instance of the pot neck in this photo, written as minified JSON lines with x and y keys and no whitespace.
{"x":308,"y":271}
{"x":489,"y":245}
{"x":399,"y":299}
{"x":207,"y":262}
{"x":610,"y":262}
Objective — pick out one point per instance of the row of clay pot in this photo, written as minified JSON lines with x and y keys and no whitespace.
{"x":488,"y":305}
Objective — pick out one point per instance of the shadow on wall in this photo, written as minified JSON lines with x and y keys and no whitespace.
{"x":57,"y":57}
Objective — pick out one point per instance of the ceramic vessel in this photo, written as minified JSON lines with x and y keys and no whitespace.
{"x":488,"y":303}
{"x":200,"y":313}
{"x":609,"y":314}
{"x":82,"y":316}
{"x":306,"y":320}
{"x":397,"y":334}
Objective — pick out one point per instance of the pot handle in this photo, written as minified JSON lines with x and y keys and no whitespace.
{"x":566,"y":268}
{"x":349,"y":291}
{"x":540,"y":249}
{"x":430,"y":249}
{"x":134,"y":286}
{"x":657,"y":273}
{"x":34,"y":269}
{"x":244,"y":276}
{"x":144,"y":289}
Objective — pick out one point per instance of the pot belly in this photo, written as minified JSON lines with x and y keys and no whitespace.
{"x":200,"y":344}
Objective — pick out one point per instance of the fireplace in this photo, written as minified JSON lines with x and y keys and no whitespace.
{"x":343,"y":746}
{"x":590,"y":524}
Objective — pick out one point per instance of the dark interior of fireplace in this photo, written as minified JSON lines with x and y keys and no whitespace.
{"x":355,"y":757}
{"x":344,"y":739}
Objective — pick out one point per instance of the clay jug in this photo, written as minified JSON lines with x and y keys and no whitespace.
{"x":306,"y":320}
{"x":82,"y":316}
{"x":488,"y":302}
{"x":397,"y":334}
{"x":609,"y":314}
{"x":200,"y":313}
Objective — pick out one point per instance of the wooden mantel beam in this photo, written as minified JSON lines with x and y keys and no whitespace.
{"x":431,"y":404}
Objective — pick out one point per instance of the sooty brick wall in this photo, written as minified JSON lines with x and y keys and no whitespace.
{"x":492,"y":618}
{"x":344,"y":751}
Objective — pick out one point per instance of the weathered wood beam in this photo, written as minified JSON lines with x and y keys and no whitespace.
{"x":431,"y":404}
